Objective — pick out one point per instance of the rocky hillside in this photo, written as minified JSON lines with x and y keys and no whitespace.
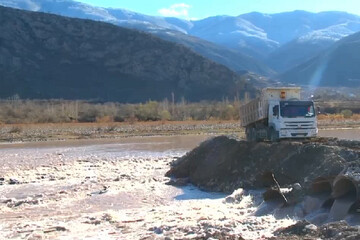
{"x":171,"y":29}
{"x":48,"y":56}
{"x":282,"y":40}
{"x":231,"y":58}
{"x":337,"y":66}
{"x":294,"y":53}
{"x":307,"y":46}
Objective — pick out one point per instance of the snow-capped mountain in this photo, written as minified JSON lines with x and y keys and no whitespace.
{"x":22,"y":4}
{"x":267,"y":32}
{"x":234,"y":32}
{"x":309,"y":45}
{"x":72,"y":8}
{"x":336,"y":66}
{"x":332,"y":33}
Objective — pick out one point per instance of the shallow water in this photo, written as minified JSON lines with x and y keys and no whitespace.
{"x":163,"y":142}
{"x":34,"y":154}
{"x":349,"y":134}
{"x":139,"y":160}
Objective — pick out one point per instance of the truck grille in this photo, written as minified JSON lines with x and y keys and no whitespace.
{"x":297,"y":125}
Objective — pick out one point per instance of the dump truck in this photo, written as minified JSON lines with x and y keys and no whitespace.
{"x":279,"y":113}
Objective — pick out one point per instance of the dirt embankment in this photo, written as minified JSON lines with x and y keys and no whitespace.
{"x":225,"y":164}
{"x":317,"y":181}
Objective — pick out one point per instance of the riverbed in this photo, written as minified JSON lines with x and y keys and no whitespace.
{"x":116,"y":189}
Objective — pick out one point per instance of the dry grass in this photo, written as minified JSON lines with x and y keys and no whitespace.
{"x":338,"y":117}
{"x":338,"y":121}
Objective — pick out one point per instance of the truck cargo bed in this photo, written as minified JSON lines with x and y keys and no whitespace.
{"x":253,"y":111}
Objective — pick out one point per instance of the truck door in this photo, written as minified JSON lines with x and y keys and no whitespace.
{"x":274,"y":116}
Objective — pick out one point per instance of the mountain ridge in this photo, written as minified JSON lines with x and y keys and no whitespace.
{"x":46,"y":56}
{"x":255,"y":34}
{"x":336,"y":66}
{"x":283,"y":41}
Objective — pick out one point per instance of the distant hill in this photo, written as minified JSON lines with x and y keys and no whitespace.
{"x":336,"y":66}
{"x":47,"y":56}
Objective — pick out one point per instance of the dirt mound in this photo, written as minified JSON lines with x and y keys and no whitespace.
{"x":317,"y":181}
{"x":304,"y":230}
{"x":225,"y":164}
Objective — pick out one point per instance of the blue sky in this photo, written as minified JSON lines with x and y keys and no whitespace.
{"x":198,"y":9}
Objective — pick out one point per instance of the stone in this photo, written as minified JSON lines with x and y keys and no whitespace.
{"x":13,"y":181}
{"x":178,"y":182}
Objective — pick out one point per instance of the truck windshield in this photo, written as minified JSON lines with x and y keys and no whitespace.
{"x":294,"y":109}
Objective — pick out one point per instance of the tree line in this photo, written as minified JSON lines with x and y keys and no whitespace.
{"x":17,"y":110}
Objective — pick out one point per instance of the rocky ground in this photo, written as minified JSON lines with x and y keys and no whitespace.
{"x":330,"y":231}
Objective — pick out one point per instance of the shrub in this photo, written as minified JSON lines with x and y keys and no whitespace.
{"x":104,"y":119}
{"x":165,"y":115}
{"x":347,"y":113}
{"x":148,"y":111}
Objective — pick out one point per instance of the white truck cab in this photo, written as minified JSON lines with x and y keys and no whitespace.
{"x":279,"y":113}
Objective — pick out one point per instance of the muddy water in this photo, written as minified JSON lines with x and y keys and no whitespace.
{"x":157,"y":143}
{"x":350,"y":134}
{"x":68,"y":176}
{"x":35,"y":154}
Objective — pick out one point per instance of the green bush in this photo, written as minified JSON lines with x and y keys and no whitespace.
{"x":165,"y":115}
{"x":148,"y":111}
{"x":347,"y":113}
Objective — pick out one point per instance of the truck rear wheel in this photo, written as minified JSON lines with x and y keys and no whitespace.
{"x":274,"y":135}
{"x":251,"y":134}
